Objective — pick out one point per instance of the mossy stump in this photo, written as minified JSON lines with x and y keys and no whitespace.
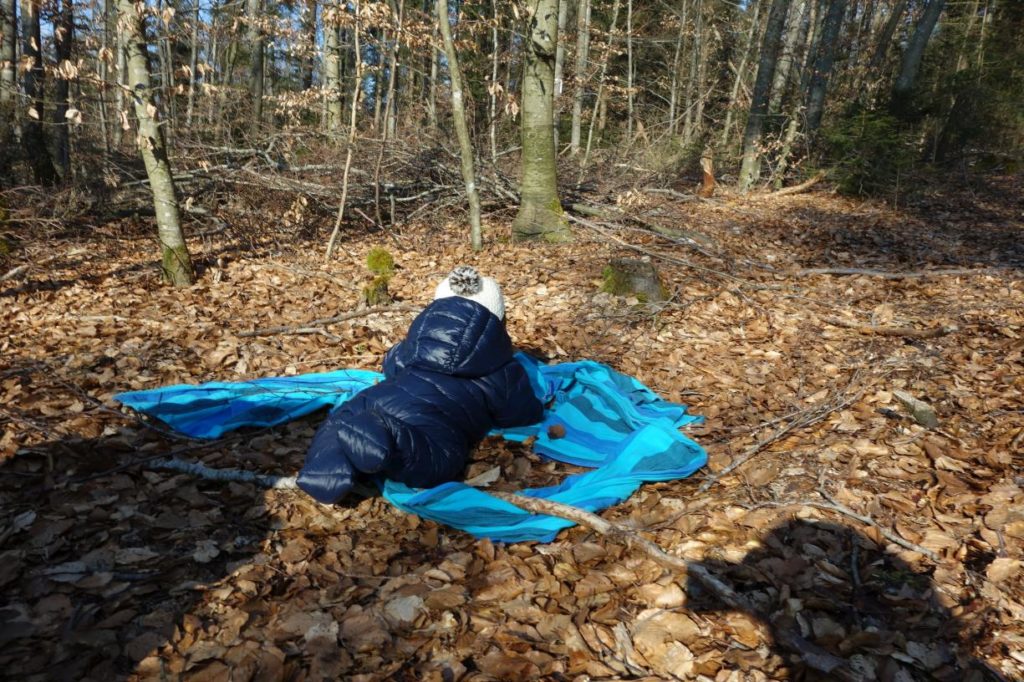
{"x":633,"y":277}
{"x":382,"y":264}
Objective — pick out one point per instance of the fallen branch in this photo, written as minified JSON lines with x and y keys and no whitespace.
{"x":908,"y":332}
{"x":235,"y":475}
{"x":887,"y":534}
{"x":14,"y":272}
{"x":796,"y":189}
{"x":813,"y":655}
{"x":609,"y":213}
{"x":306,"y":327}
{"x":885,"y":274}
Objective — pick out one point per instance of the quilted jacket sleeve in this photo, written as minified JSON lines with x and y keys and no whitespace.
{"x":392,"y":364}
{"x":511,"y":400}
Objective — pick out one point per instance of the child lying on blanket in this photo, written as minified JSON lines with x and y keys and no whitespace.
{"x":451,"y":381}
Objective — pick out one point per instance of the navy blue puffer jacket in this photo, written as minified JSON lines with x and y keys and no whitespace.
{"x":451,"y":381}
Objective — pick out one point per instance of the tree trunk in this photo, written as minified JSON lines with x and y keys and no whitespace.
{"x":391,"y":105}
{"x":740,"y":73}
{"x":600,"y":88}
{"x":563,"y":17}
{"x":673,"y":95}
{"x":822,"y":68}
{"x":540,"y":211}
{"x":33,"y":137}
{"x":193,"y":64}
{"x":332,"y":69}
{"x":122,"y":84}
{"x":254,"y":14}
{"x":461,"y":129}
{"x":176,"y":264}
{"x":911,"y":62}
{"x":309,"y":30}
{"x":357,"y":87}
{"x":493,"y":90}
{"x":8,"y":52}
{"x":885,"y":38}
{"x":103,"y":72}
{"x":629,"y":71}
{"x":750,"y":169}
{"x":796,"y":21}
{"x":63,"y":36}
{"x":692,"y":87}
{"x":579,"y":74}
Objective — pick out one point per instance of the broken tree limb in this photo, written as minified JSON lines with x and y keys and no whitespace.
{"x":811,"y":654}
{"x":307,"y":326}
{"x":796,"y":189}
{"x":235,"y":475}
{"x":887,"y":534}
{"x":609,"y":213}
{"x":909,"y":332}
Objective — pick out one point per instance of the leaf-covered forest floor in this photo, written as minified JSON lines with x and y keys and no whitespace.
{"x":109,"y":570}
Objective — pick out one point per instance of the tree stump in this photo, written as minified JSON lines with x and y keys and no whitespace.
{"x":634,"y":277}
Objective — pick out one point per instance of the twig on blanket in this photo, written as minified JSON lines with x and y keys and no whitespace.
{"x":304,"y":328}
{"x":812,"y":655}
{"x":236,"y":475}
{"x":802,"y":419}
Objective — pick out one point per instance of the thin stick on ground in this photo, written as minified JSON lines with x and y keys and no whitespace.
{"x":802,"y":419}
{"x":908,"y":332}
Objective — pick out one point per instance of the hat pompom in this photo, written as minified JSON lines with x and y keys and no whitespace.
{"x":465,"y":281}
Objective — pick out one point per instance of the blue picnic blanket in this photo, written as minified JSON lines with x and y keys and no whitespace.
{"x":610,"y":422}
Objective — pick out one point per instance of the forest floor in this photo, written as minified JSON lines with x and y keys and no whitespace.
{"x":109,"y":570}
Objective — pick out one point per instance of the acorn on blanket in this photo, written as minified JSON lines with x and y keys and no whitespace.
{"x":451,"y":381}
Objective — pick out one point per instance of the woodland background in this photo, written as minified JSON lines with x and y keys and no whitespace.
{"x":830,"y":189}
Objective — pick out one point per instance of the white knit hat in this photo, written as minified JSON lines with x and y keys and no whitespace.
{"x":466,"y":282}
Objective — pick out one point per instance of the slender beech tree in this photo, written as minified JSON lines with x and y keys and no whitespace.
{"x":461,"y":129}
{"x":193,"y":64}
{"x":741,"y":71}
{"x":257,"y":47}
{"x":797,"y":20}
{"x":822,"y":65}
{"x":911,"y":62}
{"x":308,"y":21}
{"x":580,"y":71}
{"x":600,"y":86}
{"x":8,"y":52}
{"x":176,"y":264}
{"x":33,"y":137}
{"x":885,"y":37}
{"x":750,"y":170}
{"x":540,"y":211}
{"x":563,"y":17}
{"x":63,"y":37}
{"x":332,"y":67}
{"x":673,"y":96}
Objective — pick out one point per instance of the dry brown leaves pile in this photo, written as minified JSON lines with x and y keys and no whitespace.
{"x":109,"y":570}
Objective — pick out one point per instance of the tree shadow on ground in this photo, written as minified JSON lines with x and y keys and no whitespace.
{"x":103,"y":562}
{"x":841,"y":591}
{"x":980,"y":228}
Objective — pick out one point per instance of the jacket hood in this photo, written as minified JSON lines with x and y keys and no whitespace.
{"x":458,"y":337}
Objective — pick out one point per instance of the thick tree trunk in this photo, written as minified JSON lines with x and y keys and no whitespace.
{"x":750,"y":169}
{"x":175,"y":261}
{"x":254,"y":13}
{"x":461,"y":129}
{"x":911,"y":62}
{"x":579,"y":73}
{"x":540,"y":211}
{"x":332,"y":69}
{"x":33,"y":137}
{"x":822,"y":68}
{"x":63,"y":36}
